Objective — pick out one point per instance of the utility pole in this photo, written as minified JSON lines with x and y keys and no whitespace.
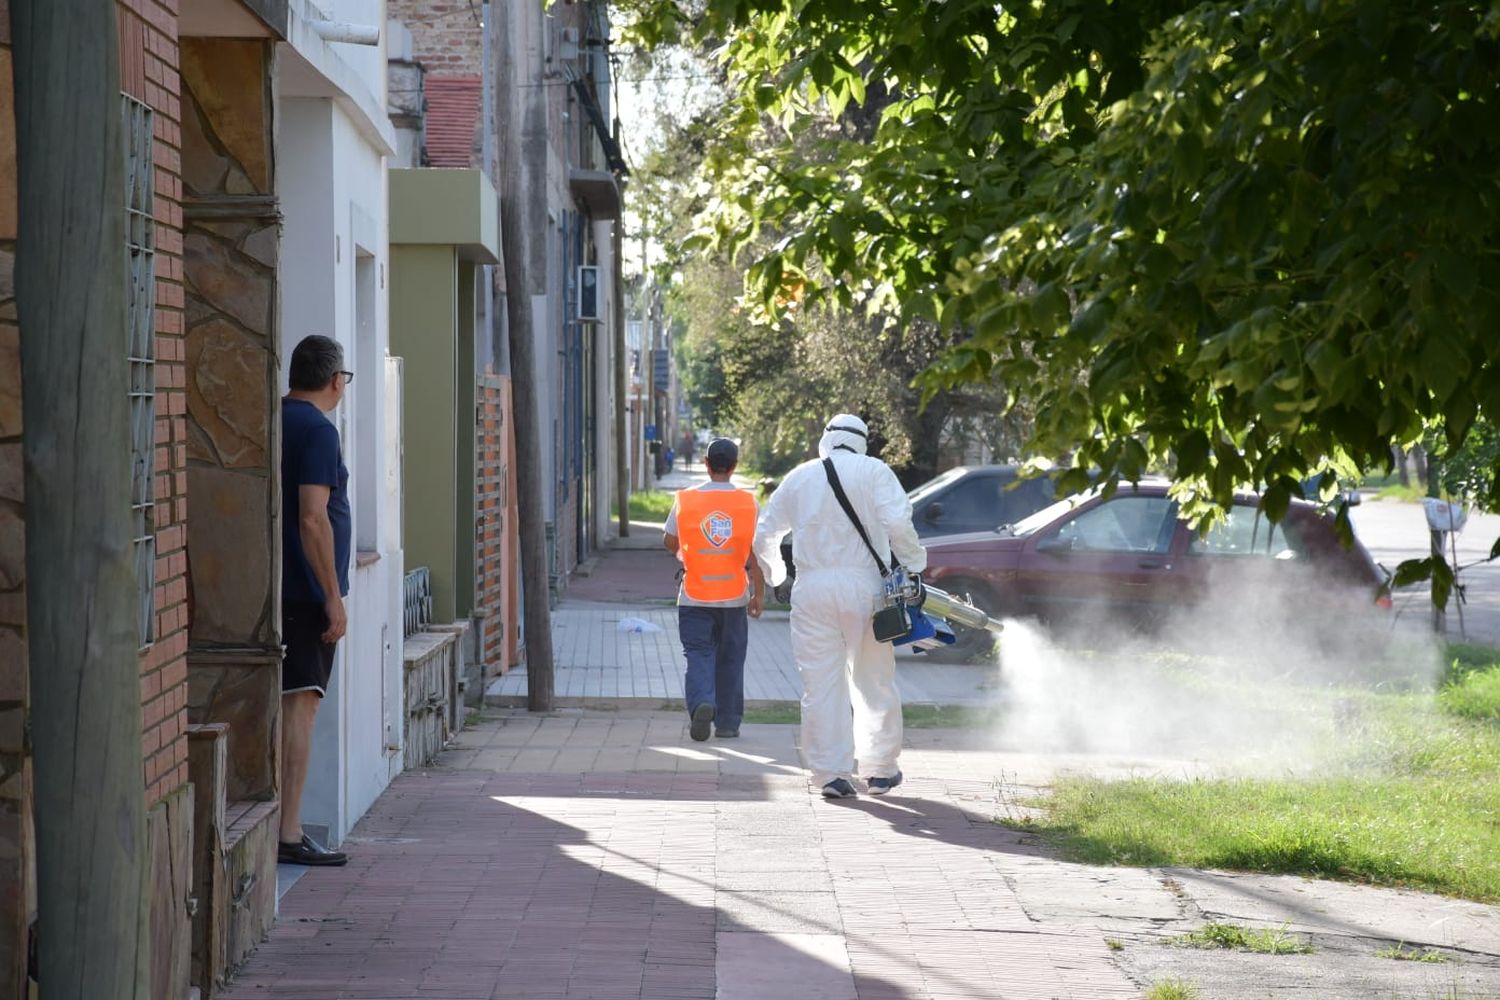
{"x":515,"y":200}
{"x":81,"y":588}
{"x":622,"y":462}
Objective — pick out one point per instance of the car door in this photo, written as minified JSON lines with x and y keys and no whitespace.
{"x":971,"y":504}
{"x":1026,"y":497}
{"x":1104,"y":558}
{"x":1244,"y":558}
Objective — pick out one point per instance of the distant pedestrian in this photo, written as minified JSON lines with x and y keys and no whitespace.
{"x":670,"y":457}
{"x":687,"y":448}
{"x":711,"y":530}
{"x":315,"y":527}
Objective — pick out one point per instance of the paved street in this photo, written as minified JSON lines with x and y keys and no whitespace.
{"x":1395,"y":531}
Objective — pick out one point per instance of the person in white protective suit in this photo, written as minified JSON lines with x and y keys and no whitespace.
{"x":850,"y":706}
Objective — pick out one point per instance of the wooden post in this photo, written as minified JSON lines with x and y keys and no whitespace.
{"x":515,"y":200}
{"x":81,"y":590}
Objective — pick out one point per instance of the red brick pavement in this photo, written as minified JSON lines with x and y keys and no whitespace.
{"x":471,"y":884}
{"x":628,"y":575}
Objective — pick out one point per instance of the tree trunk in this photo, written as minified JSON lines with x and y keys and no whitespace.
{"x":1433,"y":466}
{"x":81,"y":589}
{"x":926,"y":444}
{"x":515,"y":197}
{"x":1399,"y":456}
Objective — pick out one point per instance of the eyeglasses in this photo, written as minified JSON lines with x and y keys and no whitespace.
{"x":348,"y":377}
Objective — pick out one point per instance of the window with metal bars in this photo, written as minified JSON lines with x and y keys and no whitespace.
{"x":140,"y":295}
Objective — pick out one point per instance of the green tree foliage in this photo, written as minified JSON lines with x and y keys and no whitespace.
{"x":771,"y":371}
{"x":1254,"y":240}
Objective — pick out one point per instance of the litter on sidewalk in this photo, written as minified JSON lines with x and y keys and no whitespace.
{"x":638,"y":626}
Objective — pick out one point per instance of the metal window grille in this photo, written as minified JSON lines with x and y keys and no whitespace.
{"x":140,"y":294}
{"x":417,"y":600}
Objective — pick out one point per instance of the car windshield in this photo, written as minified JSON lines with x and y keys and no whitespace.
{"x":1035,"y":522}
{"x":933,"y":485}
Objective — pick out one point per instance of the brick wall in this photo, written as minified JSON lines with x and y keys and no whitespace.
{"x":445,"y":34}
{"x":148,"y":69}
{"x":496,"y":558}
{"x":15,"y":766}
{"x":148,"y":61}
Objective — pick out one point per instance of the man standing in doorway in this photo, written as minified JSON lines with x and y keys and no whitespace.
{"x":315,"y":527}
{"x":711,"y":530}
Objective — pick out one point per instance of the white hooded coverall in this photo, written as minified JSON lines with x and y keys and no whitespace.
{"x":838,"y":588}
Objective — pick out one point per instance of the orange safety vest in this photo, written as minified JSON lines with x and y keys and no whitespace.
{"x":715,"y":529}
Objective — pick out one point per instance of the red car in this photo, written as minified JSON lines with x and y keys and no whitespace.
{"x":1089,"y":559}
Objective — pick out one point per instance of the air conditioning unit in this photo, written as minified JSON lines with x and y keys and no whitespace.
{"x":588,"y":293}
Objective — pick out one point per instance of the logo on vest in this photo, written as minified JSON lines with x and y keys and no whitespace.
{"x":718,"y":528}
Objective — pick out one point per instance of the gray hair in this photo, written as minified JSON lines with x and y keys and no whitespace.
{"x":315,"y":361}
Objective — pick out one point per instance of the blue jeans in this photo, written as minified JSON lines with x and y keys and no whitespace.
{"x":714,"y":642}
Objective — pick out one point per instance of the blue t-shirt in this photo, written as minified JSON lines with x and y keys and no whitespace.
{"x":310,"y":456}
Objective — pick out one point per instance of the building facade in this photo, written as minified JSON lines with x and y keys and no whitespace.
{"x":256,"y":213}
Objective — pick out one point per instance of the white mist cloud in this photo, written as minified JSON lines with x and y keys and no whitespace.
{"x":1254,"y":680}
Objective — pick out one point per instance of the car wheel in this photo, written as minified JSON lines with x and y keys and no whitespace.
{"x":970,"y":645}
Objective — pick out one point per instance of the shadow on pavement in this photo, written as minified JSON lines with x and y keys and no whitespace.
{"x":469,"y":885}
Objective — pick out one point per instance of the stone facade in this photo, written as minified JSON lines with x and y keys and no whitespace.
{"x":231,"y":240}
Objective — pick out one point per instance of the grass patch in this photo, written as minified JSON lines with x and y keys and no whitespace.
{"x":1114,"y":944}
{"x":947,"y":717}
{"x":1173,"y":989}
{"x":1464,"y":658}
{"x":649,"y":506}
{"x":1270,"y":941}
{"x":774,"y":715}
{"x":1407,"y":798}
{"x":1477,"y":697}
{"x":1401,"y":953}
{"x":912,"y":716}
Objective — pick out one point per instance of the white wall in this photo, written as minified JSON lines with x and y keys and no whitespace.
{"x":333,"y":196}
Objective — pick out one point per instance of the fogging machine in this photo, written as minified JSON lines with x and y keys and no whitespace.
{"x":916,"y":614}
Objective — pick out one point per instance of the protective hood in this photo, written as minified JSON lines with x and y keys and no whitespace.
{"x":844,"y":431}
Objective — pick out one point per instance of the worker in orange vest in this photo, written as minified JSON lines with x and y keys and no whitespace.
{"x":710,"y":530}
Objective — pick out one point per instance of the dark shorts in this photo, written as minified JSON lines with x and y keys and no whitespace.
{"x":308,"y":662}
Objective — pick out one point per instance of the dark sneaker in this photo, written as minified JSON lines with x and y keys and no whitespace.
{"x":727,"y":734}
{"x":703,"y":717}
{"x":839,"y":788}
{"x":309,"y":852}
{"x":879,"y":786}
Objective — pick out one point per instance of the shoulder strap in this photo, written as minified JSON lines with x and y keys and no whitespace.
{"x":843,"y":499}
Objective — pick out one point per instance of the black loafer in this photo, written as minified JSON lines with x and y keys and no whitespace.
{"x":309,"y":852}
{"x":703,"y":717}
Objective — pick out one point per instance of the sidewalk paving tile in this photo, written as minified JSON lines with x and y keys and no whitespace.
{"x":703,"y":871}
